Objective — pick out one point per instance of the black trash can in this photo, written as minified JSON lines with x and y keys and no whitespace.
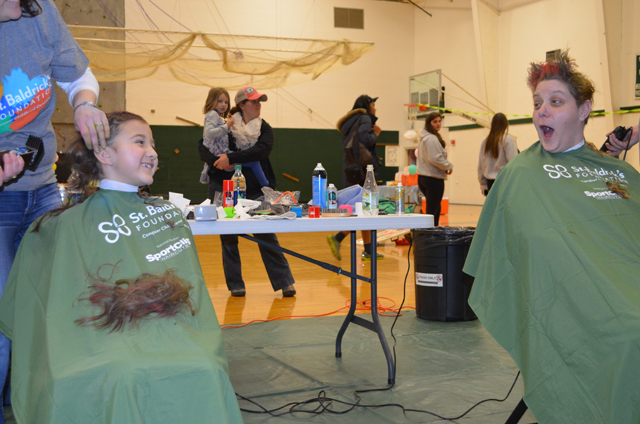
{"x":442,"y":289}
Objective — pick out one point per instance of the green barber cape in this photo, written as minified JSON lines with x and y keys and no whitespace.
{"x":167,"y":370}
{"x":556,"y":260}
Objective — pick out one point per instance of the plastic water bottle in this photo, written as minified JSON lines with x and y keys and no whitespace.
{"x":64,"y":194}
{"x":370,"y":194}
{"x":319,"y":186}
{"x":332,"y":197}
{"x":239,"y":185}
{"x":399,"y":199}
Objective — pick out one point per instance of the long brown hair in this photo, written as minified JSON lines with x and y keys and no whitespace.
{"x":212,"y":100}
{"x":499,"y":127}
{"x":130,"y":301}
{"x":427,"y":126}
{"x":86,"y":171}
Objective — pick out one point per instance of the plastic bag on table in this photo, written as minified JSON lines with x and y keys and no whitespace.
{"x":279,"y":198}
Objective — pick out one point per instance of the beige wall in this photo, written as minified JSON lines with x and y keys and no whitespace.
{"x":409,"y":42}
{"x":383,"y":73}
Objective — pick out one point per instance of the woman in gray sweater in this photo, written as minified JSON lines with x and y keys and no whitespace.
{"x":433,"y":166}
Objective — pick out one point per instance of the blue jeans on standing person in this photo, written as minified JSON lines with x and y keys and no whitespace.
{"x":18,"y":209}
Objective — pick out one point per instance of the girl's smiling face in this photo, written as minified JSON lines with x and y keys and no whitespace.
{"x":132,"y":158}
{"x":557,"y":117}
{"x":10,"y":10}
{"x":223,"y":104}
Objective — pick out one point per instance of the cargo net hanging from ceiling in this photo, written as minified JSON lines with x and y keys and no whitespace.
{"x":231,"y":61}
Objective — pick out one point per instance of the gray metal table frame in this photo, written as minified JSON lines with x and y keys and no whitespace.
{"x":351,"y":224}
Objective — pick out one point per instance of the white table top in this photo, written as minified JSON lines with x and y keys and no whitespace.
{"x":305,"y":225}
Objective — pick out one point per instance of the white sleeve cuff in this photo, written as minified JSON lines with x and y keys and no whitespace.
{"x":86,"y":82}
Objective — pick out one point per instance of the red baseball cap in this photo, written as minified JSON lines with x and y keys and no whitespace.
{"x":249,"y":93}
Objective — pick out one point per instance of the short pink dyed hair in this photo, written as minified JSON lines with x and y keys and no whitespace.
{"x":562,"y":68}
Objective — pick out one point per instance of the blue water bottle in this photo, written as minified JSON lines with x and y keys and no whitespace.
{"x":319,"y":186}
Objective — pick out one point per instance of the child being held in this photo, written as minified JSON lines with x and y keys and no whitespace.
{"x":106,"y":305}
{"x":216,"y":132}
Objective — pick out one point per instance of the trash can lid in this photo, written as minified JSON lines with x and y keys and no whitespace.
{"x":447,"y":230}
{"x":449,"y":234}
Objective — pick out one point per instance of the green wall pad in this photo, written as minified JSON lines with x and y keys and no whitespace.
{"x":296,"y":153}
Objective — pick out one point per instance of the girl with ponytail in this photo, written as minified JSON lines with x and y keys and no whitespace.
{"x":106,"y":304}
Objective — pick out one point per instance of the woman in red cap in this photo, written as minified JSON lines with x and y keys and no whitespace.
{"x":251,"y":140}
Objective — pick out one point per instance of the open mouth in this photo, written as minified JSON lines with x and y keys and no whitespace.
{"x":547,"y":131}
{"x":146,"y":165}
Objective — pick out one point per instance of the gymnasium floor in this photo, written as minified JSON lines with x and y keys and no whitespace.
{"x":444,"y":368}
{"x":319,"y":291}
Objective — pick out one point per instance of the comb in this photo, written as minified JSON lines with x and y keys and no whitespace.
{"x":334,"y":213}
{"x":263,"y":209}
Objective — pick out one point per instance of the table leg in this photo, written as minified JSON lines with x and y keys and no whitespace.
{"x":373,"y":325}
{"x":374,"y":309}
{"x":351,"y":317}
{"x":354,"y":296}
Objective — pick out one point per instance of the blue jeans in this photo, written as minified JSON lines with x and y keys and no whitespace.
{"x":18,"y":209}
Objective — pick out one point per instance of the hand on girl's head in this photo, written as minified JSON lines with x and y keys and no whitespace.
{"x":93,"y":125}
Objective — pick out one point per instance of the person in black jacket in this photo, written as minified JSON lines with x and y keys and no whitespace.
{"x":363,"y":113}
{"x":251,"y":139}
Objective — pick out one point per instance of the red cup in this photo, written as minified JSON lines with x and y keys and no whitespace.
{"x":314,"y":211}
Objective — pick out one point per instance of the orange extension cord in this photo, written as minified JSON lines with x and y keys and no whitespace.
{"x":382,"y":311}
{"x":287,"y":192}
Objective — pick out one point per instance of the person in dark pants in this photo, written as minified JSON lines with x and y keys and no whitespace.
{"x":433,"y":166}
{"x":251,"y":140}
{"x":363,"y":113}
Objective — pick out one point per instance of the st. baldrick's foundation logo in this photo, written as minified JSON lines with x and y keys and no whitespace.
{"x":21,"y":99}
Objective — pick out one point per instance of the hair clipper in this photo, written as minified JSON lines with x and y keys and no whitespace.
{"x":621,"y":134}
{"x":31,"y":153}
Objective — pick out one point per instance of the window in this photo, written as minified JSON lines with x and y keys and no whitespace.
{"x":348,"y":18}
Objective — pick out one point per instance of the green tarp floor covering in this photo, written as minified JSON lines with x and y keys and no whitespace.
{"x":441,"y":367}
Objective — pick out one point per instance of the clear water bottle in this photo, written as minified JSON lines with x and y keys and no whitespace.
{"x":319,"y":186}
{"x":370,"y":194}
{"x":399,"y":199}
{"x":332,"y":197}
{"x":239,"y":185}
{"x":64,"y":194}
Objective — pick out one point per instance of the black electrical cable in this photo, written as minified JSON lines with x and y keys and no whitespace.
{"x":627,"y":148}
{"x":325,"y":402}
